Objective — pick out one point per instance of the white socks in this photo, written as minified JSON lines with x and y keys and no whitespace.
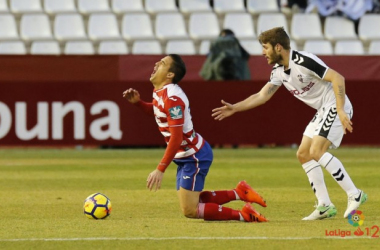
{"x":338,"y":172}
{"x":314,"y":173}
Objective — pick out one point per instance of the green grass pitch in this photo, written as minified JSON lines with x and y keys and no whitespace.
{"x":42,"y":193}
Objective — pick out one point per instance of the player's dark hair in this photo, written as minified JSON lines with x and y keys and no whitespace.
{"x":178,"y":67}
{"x":275,"y":36}
{"x":226,"y":32}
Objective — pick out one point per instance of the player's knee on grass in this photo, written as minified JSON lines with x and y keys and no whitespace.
{"x":189,"y":212}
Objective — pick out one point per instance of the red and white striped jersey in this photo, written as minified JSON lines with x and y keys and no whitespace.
{"x":171,"y":109}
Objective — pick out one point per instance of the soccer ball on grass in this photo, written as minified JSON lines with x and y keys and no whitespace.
{"x":97,"y":206}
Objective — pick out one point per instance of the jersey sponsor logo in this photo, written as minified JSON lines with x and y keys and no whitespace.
{"x":303,"y":90}
{"x":173,"y":99}
{"x":176,"y":113}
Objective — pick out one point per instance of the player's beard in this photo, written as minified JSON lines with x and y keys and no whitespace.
{"x":275,"y":58}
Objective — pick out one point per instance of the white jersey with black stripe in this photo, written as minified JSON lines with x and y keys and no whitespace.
{"x":304,"y":79}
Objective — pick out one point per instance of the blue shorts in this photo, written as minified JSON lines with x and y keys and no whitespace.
{"x":192,"y":170}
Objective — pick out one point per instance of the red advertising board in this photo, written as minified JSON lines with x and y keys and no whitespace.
{"x":78,"y":101}
{"x":94,"y":113}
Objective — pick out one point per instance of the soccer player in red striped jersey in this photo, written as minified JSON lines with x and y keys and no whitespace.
{"x":188,"y":150}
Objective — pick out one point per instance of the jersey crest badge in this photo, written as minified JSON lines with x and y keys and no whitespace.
{"x":176,"y":113}
{"x":300,"y":78}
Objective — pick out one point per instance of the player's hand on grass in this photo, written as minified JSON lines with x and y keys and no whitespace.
{"x":345,"y":120}
{"x":223,"y":112}
{"x":154,"y":180}
{"x":131,"y":95}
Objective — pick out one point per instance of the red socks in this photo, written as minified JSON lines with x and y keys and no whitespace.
{"x":217,"y":197}
{"x":210,"y":208}
{"x":212,"y":211}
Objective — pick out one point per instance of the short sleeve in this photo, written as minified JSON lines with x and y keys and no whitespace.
{"x":274,"y":79}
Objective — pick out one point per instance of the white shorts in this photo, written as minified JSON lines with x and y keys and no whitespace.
{"x":326,"y":123}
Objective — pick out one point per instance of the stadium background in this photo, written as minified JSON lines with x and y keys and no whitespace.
{"x":75,"y":97}
{"x":87,"y":87}
{"x":93,"y":79}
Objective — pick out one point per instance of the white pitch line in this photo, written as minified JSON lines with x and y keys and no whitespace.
{"x":186,"y":238}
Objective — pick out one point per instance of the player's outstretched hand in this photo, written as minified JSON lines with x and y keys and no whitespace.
{"x":154,"y":180}
{"x":223,"y":112}
{"x":131,"y":95}
{"x":345,"y":120}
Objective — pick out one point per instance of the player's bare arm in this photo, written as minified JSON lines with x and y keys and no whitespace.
{"x":132,"y":95}
{"x":338,"y":84}
{"x":251,"y":102}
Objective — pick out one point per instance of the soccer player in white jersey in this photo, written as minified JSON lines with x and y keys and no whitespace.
{"x":186,"y":148}
{"x":322,"y":88}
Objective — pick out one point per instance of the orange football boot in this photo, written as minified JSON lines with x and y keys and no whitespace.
{"x":247,"y":194}
{"x":251,"y":215}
